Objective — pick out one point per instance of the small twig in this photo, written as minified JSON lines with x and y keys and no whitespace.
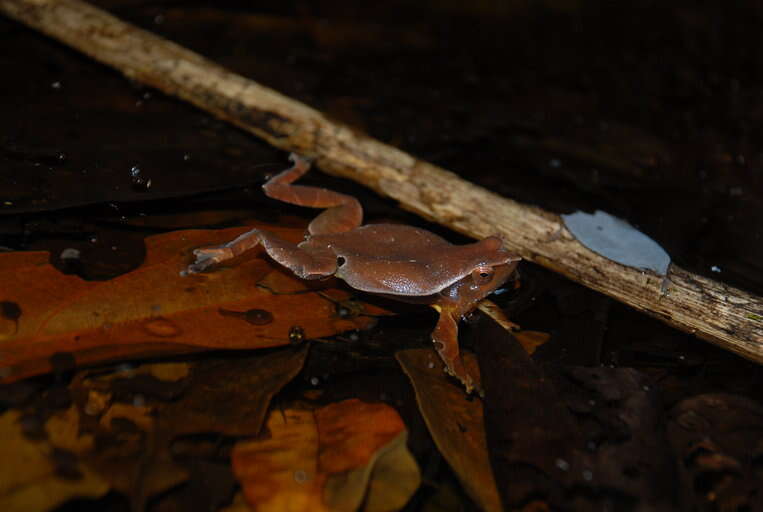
{"x":726,"y":316}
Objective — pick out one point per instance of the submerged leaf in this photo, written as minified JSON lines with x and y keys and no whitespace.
{"x":217,"y":384}
{"x":455,"y":422}
{"x":346,"y":456}
{"x":30,"y":478}
{"x":154,"y":310}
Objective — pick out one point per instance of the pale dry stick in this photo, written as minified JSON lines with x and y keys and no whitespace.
{"x":726,"y":316}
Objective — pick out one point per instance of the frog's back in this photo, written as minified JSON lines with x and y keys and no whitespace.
{"x":390,"y":242}
{"x":399,"y":260}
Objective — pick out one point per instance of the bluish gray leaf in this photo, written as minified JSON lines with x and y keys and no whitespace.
{"x":617,"y":240}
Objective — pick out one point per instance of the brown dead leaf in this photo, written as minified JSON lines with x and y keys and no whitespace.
{"x":346,"y":456}
{"x":231,"y":396}
{"x":29,"y":476}
{"x":455,"y":422}
{"x":153,"y":309}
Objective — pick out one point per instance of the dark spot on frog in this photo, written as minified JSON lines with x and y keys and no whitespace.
{"x":190,"y":289}
{"x":296,"y":334}
{"x":252,"y":316}
{"x":10,"y":310}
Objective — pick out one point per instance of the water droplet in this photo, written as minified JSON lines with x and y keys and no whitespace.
{"x":296,"y":334}
{"x":56,"y":85}
{"x":315,"y":381}
{"x":139,"y":183}
{"x":715,"y":268}
{"x":70,"y":253}
{"x":562,"y":464}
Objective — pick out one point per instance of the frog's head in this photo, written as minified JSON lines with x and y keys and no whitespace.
{"x":490,"y":270}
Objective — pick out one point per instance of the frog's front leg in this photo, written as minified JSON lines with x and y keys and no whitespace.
{"x":305,"y":264}
{"x":445,"y":339}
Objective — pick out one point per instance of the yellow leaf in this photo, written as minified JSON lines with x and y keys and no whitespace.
{"x":335,"y":458}
{"x":28,"y":479}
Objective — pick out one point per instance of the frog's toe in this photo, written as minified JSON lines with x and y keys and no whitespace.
{"x":207,"y":258}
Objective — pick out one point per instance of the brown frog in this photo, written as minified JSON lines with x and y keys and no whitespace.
{"x":401,"y":262}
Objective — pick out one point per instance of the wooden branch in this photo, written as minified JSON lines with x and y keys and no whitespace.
{"x":726,"y":316}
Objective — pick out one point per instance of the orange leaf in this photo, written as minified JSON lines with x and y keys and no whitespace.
{"x":153,"y":310}
{"x":338,"y":457}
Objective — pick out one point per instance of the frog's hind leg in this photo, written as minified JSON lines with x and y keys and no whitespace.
{"x":343,"y":214}
{"x":307,"y":265}
{"x":445,"y":339}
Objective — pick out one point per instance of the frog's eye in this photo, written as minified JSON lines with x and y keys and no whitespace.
{"x":482,"y":275}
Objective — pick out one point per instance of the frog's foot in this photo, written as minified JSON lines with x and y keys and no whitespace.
{"x":445,"y":339}
{"x":208,"y":257}
{"x":456,"y":369}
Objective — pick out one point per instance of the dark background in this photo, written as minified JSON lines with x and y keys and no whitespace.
{"x":649,"y":110}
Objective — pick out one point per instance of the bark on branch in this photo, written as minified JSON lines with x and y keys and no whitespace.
{"x":726,"y":316}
